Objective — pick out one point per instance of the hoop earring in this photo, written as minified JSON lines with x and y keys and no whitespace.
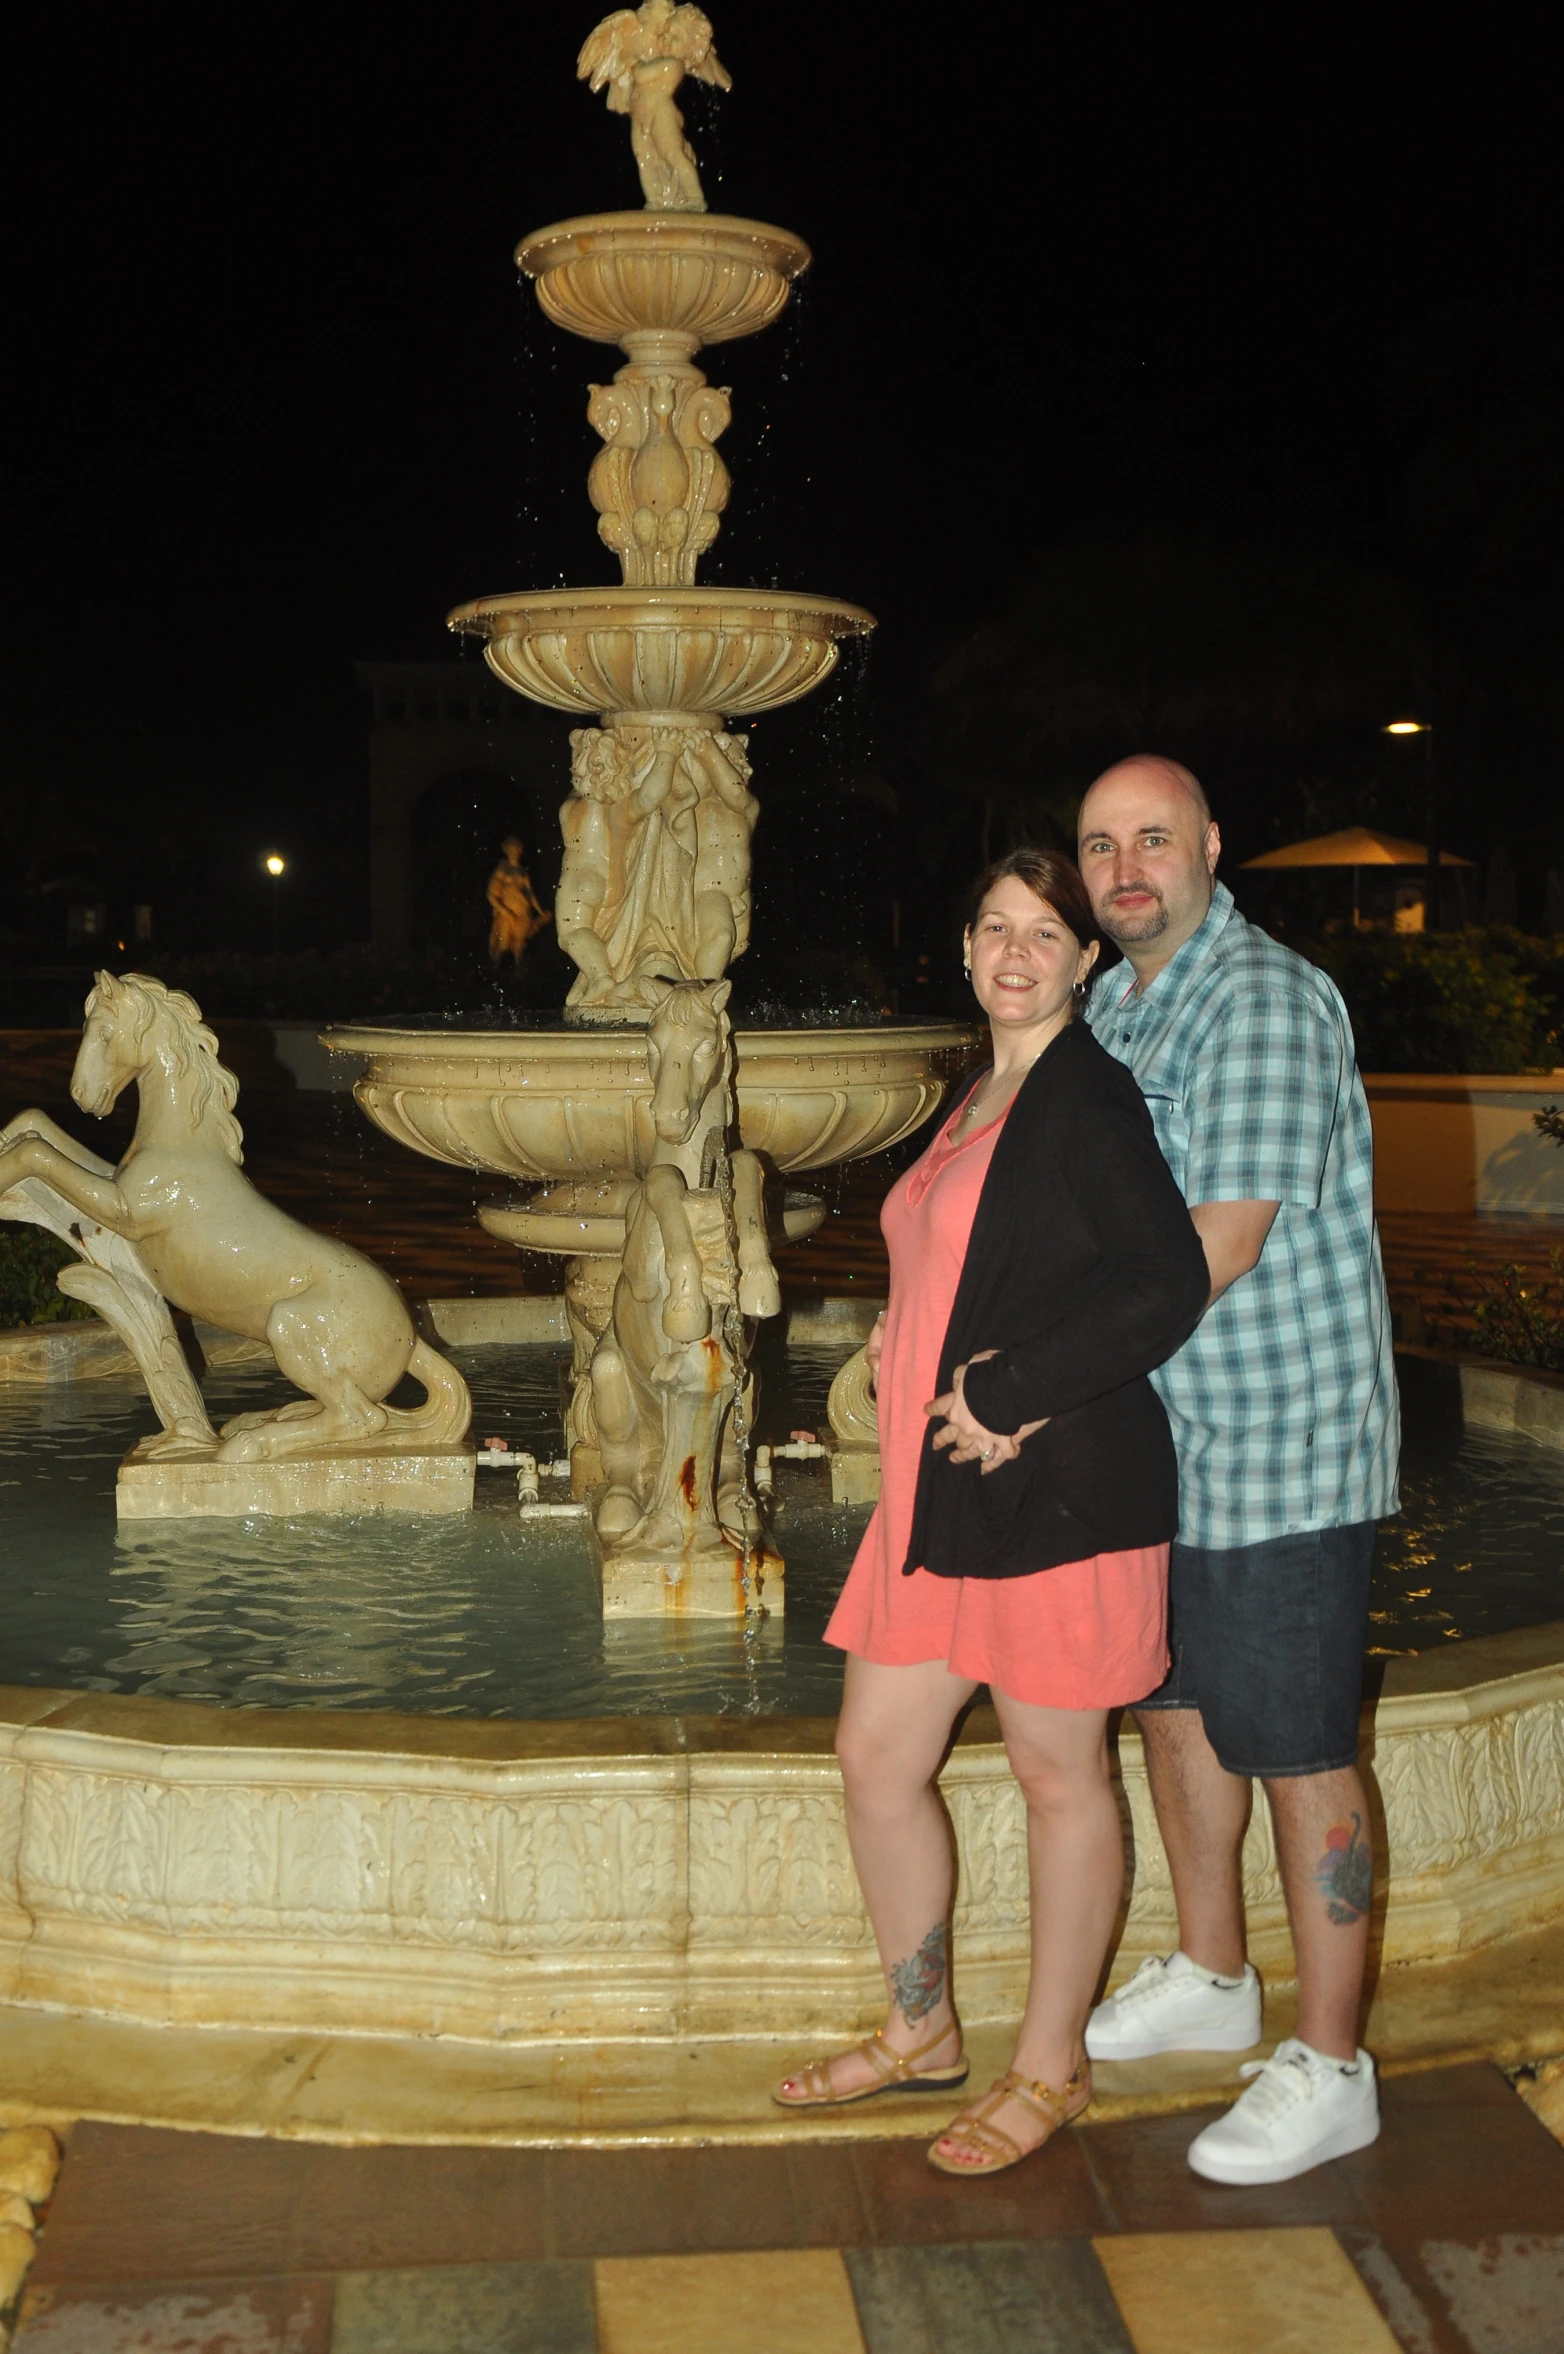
{"x":1079,"y":992}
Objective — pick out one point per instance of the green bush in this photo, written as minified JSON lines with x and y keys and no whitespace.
{"x":1446,"y":1001}
{"x":1520,"y":1316}
{"x":29,"y":1261}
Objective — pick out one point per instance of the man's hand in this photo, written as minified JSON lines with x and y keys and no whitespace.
{"x":1233,"y":1234}
{"x":964,"y":1435}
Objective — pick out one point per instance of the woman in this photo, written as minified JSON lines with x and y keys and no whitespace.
{"x":1042,"y":1262}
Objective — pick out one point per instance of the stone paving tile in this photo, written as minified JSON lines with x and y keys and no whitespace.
{"x":1003,"y":2297}
{"x":1143,"y":2173}
{"x":1456,"y":2172}
{"x":1221,"y":2292}
{"x":1506,"y":2294}
{"x":1407,"y":2304}
{"x":395,"y":2205}
{"x":137,"y":2203}
{"x":793,"y":2301}
{"x":271,"y":2316}
{"x":1053,"y":2195}
{"x":537,"y":2308}
{"x":649,"y":2202}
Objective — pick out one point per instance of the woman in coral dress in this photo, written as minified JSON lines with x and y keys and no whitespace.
{"x":1042,"y":1263}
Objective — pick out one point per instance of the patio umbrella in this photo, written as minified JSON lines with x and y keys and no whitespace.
{"x":1357,"y":846}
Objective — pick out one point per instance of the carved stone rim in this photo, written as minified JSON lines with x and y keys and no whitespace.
{"x":627,"y":1045}
{"x":759,"y":243}
{"x":545,"y":612}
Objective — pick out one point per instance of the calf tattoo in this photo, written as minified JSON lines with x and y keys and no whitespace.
{"x":918,"y":1984}
{"x":1344,"y":1874}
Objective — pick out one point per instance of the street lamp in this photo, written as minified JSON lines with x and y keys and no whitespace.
{"x":276,"y":866}
{"x":1424,"y":728}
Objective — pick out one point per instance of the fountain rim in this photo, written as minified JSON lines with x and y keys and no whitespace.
{"x":559,"y":243}
{"x":627,"y":1041}
{"x":615,"y":606}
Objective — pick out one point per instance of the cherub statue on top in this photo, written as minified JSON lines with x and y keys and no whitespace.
{"x":642,"y":55}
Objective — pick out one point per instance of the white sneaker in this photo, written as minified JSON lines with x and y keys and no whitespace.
{"x":1302,"y":2109}
{"x":1175,"y":2006}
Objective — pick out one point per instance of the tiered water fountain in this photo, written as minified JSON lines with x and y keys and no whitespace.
{"x":623,"y":1120}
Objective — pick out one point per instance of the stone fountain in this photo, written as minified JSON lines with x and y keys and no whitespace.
{"x":655,"y":1134}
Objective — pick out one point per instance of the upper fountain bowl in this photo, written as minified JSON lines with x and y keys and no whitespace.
{"x":630,"y":651}
{"x":693,"y":277}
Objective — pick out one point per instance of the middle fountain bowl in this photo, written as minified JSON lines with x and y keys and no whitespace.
{"x":635,"y":653}
{"x":547,"y":1104}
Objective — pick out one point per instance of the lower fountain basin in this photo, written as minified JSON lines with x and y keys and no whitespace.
{"x":561,"y":1102}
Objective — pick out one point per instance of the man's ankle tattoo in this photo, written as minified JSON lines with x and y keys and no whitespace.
{"x":1344,"y":1874}
{"x":918,"y":1984}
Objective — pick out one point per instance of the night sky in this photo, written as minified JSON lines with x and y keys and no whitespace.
{"x":1266,"y":305}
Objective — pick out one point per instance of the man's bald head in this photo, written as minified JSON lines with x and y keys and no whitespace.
{"x":1148,"y":853}
{"x":1169,"y":773}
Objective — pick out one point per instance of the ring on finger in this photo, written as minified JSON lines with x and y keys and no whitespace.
{"x":987,"y":1455}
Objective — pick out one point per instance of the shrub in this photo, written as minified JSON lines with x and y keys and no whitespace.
{"x":1519,"y":1316}
{"x":1445,"y":1002}
{"x":29,"y":1262}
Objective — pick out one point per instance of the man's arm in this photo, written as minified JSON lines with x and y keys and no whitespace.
{"x":1233,"y":1235}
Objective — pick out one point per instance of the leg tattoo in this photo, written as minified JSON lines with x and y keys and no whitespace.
{"x":918,"y":1984}
{"x":1344,"y":1874}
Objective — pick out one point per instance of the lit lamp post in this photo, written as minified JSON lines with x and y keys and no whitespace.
{"x":1424,"y":728}
{"x":276,"y":866}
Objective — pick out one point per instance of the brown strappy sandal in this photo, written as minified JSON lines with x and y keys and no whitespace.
{"x":995,"y":2150}
{"x":897,"y":2072}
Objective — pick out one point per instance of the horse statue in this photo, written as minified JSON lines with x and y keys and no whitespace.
{"x":178,"y":1222}
{"x":668,"y":1376}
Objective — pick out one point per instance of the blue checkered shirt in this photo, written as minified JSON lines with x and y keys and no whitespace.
{"x":1283,"y":1401}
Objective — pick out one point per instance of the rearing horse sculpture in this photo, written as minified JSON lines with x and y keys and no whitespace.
{"x":178,"y":1221}
{"x":667,"y":1373}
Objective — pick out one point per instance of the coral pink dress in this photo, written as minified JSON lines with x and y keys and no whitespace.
{"x":1088,"y":1634}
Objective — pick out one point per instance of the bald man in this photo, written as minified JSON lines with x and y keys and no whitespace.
{"x":1284,"y":1413}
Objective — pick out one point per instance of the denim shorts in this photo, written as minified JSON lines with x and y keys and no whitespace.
{"x":1267,"y":1642}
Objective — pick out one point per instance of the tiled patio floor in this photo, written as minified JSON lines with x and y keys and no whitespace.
{"x":1447,"y":2237}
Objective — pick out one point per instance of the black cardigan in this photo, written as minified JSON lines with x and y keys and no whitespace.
{"x":1084,"y":1271}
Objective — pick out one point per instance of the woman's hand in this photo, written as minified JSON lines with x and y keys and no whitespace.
{"x":872,"y":1348}
{"x":961,"y":1431}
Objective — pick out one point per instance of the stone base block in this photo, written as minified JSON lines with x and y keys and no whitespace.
{"x":855,"y":1475}
{"x":439,"y":1480}
{"x":714,"y":1585}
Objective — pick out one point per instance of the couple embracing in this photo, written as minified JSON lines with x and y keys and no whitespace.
{"x":1138,"y":1420}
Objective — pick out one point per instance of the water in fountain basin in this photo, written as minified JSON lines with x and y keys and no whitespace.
{"x":491,"y":1616}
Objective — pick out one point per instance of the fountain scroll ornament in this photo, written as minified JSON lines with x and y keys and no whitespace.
{"x":177,"y":1222}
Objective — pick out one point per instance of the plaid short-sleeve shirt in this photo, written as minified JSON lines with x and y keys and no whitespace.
{"x":1283,"y":1401}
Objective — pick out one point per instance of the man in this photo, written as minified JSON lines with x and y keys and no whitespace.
{"x":1284,"y":1413}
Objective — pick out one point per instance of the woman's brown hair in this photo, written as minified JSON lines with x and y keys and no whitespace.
{"x":1049,"y":875}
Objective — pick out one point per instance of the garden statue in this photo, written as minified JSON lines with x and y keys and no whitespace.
{"x":177,"y":1222}
{"x":655,"y":880}
{"x":518,"y":913}
{"x":668,"y":1377}
{"x":642,"y":55}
